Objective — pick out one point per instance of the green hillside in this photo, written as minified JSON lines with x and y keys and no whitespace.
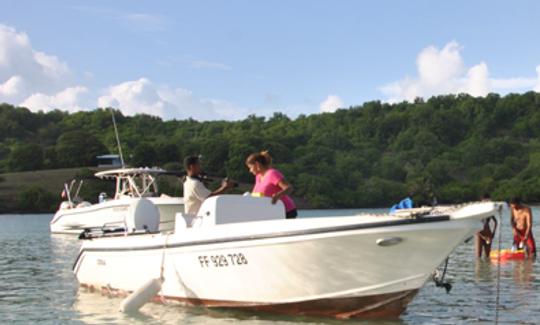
{"x":40,"y":191}
{"x":454,"y":148}
{"x":13,"y":185}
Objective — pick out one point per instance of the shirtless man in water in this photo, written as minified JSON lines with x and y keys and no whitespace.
{"x":521,"y":219}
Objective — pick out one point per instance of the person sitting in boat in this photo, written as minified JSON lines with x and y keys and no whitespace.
{"x":521,"y":219}
{"x":270,"y":182}
{"x":195,"y":192}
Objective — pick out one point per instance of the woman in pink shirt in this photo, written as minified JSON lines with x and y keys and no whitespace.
{"x":270,"y":182}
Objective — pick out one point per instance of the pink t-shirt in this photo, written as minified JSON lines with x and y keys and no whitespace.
{"x":267,"y":185}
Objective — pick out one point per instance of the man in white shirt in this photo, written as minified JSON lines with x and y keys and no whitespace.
{"x":194,"y":190}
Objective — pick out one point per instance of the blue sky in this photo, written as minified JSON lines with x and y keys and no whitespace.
{"x":228,"y":59}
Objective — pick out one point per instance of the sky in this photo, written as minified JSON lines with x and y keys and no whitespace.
{"x":225,"y":60}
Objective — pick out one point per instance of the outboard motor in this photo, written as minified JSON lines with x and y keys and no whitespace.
{"x":142,"y":214}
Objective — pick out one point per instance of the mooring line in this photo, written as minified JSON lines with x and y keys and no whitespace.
{"x":497,"y":297}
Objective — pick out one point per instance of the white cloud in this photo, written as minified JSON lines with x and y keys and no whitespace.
{"x":51,"y":65}
{"x":134,"y":97}
{"x":67,"y":99}
{"x":537,"y":87}
{"x":439,"y":68}
{"x":32,"y":78}
{"x":477,"y":82}
{"x":11,"y":87}
{"x":331,"y":104}
{"x":442,"y":71}
{"x":40,"y":81}
{"x":142,"y":96}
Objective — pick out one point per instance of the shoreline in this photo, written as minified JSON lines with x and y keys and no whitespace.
{"x":38,"y":191}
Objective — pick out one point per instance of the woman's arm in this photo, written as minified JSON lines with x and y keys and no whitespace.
{"x":286,"y":189}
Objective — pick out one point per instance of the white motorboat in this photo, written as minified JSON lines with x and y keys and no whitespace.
{"x":242,"y":253}
{"x":74,"y":215}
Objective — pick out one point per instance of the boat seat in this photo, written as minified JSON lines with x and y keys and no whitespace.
{"x":182,"y":221}
{"x":84,"y":204}
{"x":223,"y":209}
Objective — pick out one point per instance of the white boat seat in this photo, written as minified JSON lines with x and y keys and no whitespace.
{"x":182,"y":221}
{"x":84,"y":204}
{"x":223,"y":209}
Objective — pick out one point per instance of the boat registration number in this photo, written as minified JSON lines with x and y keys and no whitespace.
{"x":222,"y":260}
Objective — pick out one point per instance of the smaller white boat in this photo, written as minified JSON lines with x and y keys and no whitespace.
{"x":240,"y":252}
{"x":75,"y":215}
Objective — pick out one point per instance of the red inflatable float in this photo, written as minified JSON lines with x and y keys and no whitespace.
{"x":507,"y":255}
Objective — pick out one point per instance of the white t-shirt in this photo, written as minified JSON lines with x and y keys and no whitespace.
{"x":194,"y":194}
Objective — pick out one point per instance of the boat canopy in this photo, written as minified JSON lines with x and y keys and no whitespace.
{"x":135,"y":182}
{"x":113,"y":173}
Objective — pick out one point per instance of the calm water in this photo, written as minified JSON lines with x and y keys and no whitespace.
{"x":37,"y":286}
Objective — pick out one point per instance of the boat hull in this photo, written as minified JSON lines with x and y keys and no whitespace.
{"x":389,"y":305}
{"x":75,"y":220}
{"x":355,"y":269}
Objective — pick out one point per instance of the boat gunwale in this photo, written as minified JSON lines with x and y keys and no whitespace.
{"x":291,"y":233}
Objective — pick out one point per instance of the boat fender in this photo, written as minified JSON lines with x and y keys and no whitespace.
{"x":147,"y":291}
{"x":141,"y":296}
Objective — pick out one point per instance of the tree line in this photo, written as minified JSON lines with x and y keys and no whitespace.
{"x":452,"y":147}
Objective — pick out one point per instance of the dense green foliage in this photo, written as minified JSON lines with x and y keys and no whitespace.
{"x":453,"y":147}
{"x":36,"y":199}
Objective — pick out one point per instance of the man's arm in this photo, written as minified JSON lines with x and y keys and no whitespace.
{"x":528,"y":226}
{"x":512,"y":221}
{"x":225,"y":185}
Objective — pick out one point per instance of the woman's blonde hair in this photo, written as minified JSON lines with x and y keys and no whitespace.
{"x":262,"y":158}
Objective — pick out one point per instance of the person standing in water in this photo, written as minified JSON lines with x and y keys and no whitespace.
{"x":521,"y":220}
{"x":484,"y":238}
{"x":270,"y":182}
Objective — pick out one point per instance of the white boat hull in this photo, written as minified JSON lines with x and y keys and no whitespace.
{"x":341,"y":266}
{"x":75,"y":220}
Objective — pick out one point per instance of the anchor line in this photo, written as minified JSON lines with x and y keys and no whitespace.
{"x":498,"y":286}
{"x":162,"y":269}
{"x":439,"y":278}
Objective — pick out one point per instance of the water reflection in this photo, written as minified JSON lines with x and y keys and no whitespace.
{"x":483,"y":270}
{"x":37,"y":286}
{"x":523,"y":273}
{"x":92,"y":308}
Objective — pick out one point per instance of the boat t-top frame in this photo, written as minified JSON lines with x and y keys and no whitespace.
{"x":134,"y":182}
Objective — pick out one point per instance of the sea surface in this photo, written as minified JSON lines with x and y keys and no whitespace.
{"x":38,"y":287}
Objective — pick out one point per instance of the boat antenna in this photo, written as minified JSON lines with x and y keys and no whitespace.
{"x":117,"y":139}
